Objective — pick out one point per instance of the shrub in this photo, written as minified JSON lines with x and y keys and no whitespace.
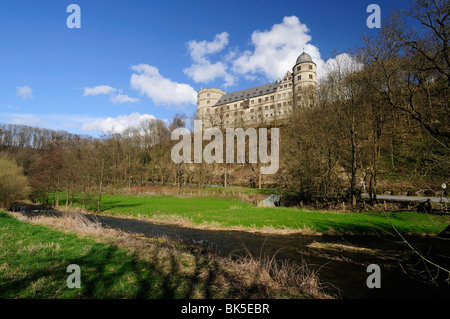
{"x":13,"y":184}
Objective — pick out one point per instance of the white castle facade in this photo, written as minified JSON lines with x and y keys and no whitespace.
{"x":267,"y":104}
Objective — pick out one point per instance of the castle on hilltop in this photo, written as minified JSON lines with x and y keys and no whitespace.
{"x":265,"y":104}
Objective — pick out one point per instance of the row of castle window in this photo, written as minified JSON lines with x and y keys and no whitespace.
{"x":299,"y":68}
{"x":259,"y":108}
{"x":266,"y":99}
{"x":259,"y":116}
{"x":299,"y":77}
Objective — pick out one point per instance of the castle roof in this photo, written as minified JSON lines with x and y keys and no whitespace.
{"x":248,"y":93}
{"x":304,"y":57}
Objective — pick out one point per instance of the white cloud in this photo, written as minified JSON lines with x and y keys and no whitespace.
{"x":202,"y":70}
{"x":26,"y":119}
{"x":122,"y":98}
{"x":148,"y":81}
{"x":25,"y":92}
{"x":207,"y":72}
{"x":276,"y":50}
{"x":100,"y":89}
{"x":273,"y":53}
{"x":343,"y":63}
{"x":49,"y":120}
{"x":198,"y":49}
{"x":11,"y":107}
{"x":116,"y":124}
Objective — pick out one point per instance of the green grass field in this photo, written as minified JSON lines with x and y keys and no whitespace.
{"x":229,"y":213}
{"x":34,"y":260}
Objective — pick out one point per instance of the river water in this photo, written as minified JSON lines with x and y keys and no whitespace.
{"x":343,"y":270}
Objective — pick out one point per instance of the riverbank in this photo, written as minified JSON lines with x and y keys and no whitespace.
{"x":214,"y":213}
{"x":37,"y":250}
{"x":339,"y":261}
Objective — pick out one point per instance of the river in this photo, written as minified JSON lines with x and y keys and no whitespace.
{"x":340,"y":261}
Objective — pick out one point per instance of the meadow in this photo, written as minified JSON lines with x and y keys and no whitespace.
{"x":35,"y":254}
{"x":229,"y":213}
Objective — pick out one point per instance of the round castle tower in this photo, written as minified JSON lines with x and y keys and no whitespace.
{"x":206,"y":98}
{"x":305,"y":79}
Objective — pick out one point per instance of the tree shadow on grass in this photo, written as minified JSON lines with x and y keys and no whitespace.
{"x":110,"y":272}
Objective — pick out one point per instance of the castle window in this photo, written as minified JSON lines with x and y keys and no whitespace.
{"x":284,"y":103}
{"x":228,"y":107}
{"x":208,"y":101}
{"x":272,"y":97}
{"x":252,"y":110}
{"x":310,"y":76}
{"x":253,"y":101}
{"x":285,"y":85}
{"x":299,"y":88}
{"x":267,"y":107}
{"x":279,"y":104}
{"x":271,"y":107}
{"x":299,"y":98}
{"x":207,"y":109}
{"x":299,"y":68}
{"x":208,"y":95}
{"x":235,"y":106}
{"x":259,"y":100}
{"x":279,"y":96}
{"x":299,"y":77}
{"x":290,"y":84}
{"x":310,"y":67}
{"x":266,"y":99}
{"x":228,"y":115}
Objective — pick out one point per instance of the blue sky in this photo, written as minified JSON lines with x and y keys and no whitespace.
{"x":140,"y":59}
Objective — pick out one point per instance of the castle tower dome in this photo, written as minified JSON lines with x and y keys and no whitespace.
{"x":305,"y":79}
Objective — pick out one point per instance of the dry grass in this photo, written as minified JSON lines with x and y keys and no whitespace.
{"x":342,"y":247}
{"x":234,"y":277}
{"x":174,"y":220}
{"x":283,"y":277}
